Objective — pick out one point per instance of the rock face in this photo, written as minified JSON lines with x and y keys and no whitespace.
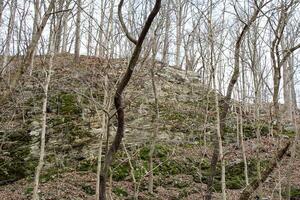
{"x":73,"y":123}
{"x":184,"y":131}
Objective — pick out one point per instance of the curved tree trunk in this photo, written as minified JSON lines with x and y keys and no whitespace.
{"x":225,"y":102}
{"x":118,"y":100}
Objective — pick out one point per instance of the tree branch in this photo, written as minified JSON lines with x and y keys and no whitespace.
{"x":123,"y":25}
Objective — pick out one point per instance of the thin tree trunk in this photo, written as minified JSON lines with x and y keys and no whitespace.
{"x":165,"y":56}
{"x":110,"y":44}
{"x":36,"y":37}
{"x":1,"y":10}
{"x":257,"y":102}
{"x":20,"y":31}
{"x":58,"y":26}
{"x":220,"y":145}
{"x":65,"y":28}
{"x":105,"y":127}
{"x":11,"y":23}
{"x":155,"y":133}
{"x":225,"y":103}
{"x":118,"y":99}
{"x":135,"y":184}
{"x":77,"y":32}
{"x":287,"y":94}
{"x":248,"y":191}
{"x":278,"y":59}
{"x":36,"y":21}
{"x":292,"y":82}
{"x":99,"y":46}
{"x":90,"y":31}
{"x":243,"y":147}
{"x":293,"y":154}
{"x":35,"y":195}
{"x":237,"y":128}
{"x":179,"y":10}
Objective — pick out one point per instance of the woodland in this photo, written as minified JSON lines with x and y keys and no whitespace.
{"x":149,"y":99}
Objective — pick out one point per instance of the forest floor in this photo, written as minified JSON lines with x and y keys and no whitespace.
{"x":77,"y":185}
{"x":182,"y":156}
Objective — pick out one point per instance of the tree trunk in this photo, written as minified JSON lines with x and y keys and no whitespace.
{"x":1,"y":10}
{"x":11,"y":23}
{"x":165,"y":56}
{"x":77,"y":33}
{"x":155,"y":133}
{"x":36,"y":37}
{"x":292,"y":82}
{"x":65,"y":28}
{"x":44,"y":126}
{"x":179,"y":10}
{"x":118,"y":100}
{"x":99,"y":46}
{"x":110,"y":43}
{"x":293,"y":154}
{"x":90,"y":31}
{"x":59,"y":26}
{"x":105,"y":131}
{"x":225,"y":102}
{"x":243,"y":147}
{"x":220,"y":145}
{"x":36,"y":21}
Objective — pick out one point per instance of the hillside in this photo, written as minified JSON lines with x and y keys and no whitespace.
{"x":182,"y":151}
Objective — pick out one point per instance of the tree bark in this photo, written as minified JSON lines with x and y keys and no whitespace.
{"x":179,"y":18}
{"x":105,"y":131}
{"x":1,"y":10}
{"x":243,"y":146}
{"x":156,"y":121}
{"x":279,"y":60}
{"x":165,"y":56}
{"x":44,"y":125}
{"x":65,"y":28}
{"x":77,"y":32}
{"x":11,"y":23}
{"x":225,"y":102}
{"x":118,"y":100}
{"x":59,"y":26}
{"x":36,"y":21}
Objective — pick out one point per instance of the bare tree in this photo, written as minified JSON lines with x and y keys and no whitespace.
{"x":99,"y":45}
{"x":288,"y":71}
{"x":225,"y":102}
{"x":48,"y":73}
{"x":36,"y":21}
{"x":279,"y":60}
{"x":58,"y":25}
{"x":65,"y":27}
{"x":13,"y":7}
{"x":181,"y":13}
{"x":157,"y":117}
{"x":104,"y":130}
{"x":118,"y":99}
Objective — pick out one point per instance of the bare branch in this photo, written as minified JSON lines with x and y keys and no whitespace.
{"x":123,"y":25}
